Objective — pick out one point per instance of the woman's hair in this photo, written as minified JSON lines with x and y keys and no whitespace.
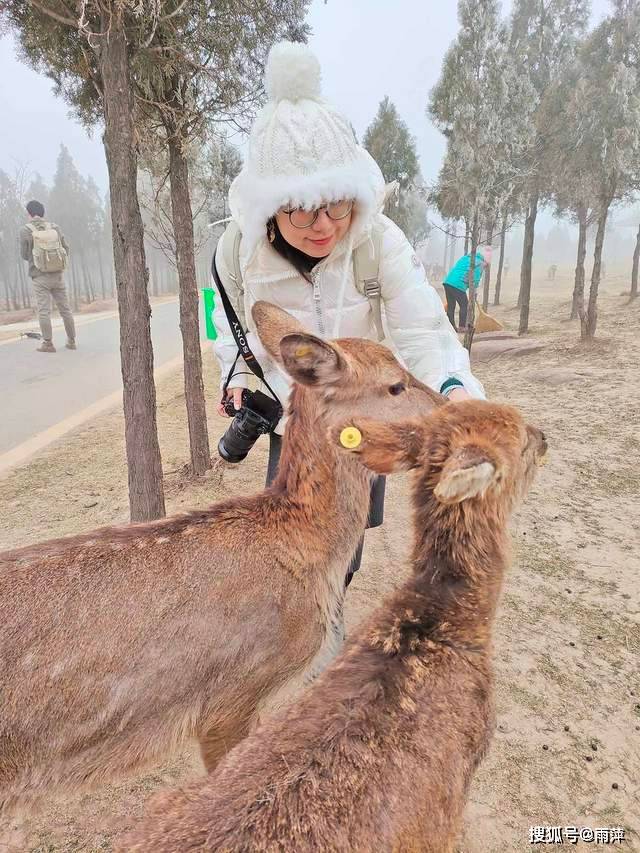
{"x":299,"y":261}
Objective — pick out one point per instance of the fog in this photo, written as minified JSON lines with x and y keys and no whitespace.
{"x":367,"y":48}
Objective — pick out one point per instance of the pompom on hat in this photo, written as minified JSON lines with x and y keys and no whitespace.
{"x":302,"y":151}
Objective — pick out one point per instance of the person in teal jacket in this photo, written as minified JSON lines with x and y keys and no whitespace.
{"x":456,"y":283}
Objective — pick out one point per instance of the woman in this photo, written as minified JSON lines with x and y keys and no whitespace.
{"x":456,"y":283}
{"x":307,"y":197}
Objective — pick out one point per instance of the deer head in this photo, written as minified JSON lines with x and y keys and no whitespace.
{"x":346,"y":377}
{"x":466,"y":450}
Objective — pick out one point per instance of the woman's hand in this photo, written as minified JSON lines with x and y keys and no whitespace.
{"x":236,"y":394}
{"x":458,"y":394}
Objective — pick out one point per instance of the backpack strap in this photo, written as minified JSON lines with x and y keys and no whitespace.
{"x":231,"y":253}
{"x":366,"y":273}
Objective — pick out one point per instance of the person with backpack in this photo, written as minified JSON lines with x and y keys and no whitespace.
{"x":308,"y":235}
{"x":42,"y":244}
{"x":456,"y":284}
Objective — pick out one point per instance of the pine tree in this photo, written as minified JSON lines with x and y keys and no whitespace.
{"x":12,"y":218}
{"x":38,"y":190}
{"x":87,"y":52}
{"x":482,"y":106}
{"x":610,"y":83}
{"x":543,"y":40}
{"x":570,"y":175}
{"x":393,"y":148}
{"x":202,"y":59}
{"x":160,"y":68}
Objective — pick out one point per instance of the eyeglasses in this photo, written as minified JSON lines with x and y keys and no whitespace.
{"x":301,"y":218}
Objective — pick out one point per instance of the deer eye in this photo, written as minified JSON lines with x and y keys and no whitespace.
{"x":398,"y":388}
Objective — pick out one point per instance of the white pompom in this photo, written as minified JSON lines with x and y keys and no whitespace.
{"x":293,"y":73}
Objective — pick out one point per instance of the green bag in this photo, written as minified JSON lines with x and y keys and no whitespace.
{"x":209,"y":297}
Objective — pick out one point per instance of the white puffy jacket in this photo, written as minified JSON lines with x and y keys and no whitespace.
{"x":415,"y":317}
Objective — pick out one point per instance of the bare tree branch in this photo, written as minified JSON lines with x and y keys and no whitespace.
{"x":61,"y":19}
{"x":173,"y":14}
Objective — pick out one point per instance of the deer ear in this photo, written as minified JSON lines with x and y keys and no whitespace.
{"x":381,"y":447}
{"x":272,"y":325}
{"x":467,"y":473}
{"x":312,"y":361}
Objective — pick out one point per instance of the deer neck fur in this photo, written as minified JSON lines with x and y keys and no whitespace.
{"x":325,"y":489}
{"x":459,"y":558}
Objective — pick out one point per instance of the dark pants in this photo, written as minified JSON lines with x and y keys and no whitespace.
{"x":456,"y":297}
{"x":376,"y":501}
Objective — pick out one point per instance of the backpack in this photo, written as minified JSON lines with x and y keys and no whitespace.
{"x":366,"y":269}
{"x":49,"y":254}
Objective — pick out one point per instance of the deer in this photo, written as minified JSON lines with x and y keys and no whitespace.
{"x":120,"y":645}
{"x":379,"y":752}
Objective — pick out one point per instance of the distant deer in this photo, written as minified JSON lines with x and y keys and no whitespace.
{"x":118,"y":645}
{"x":379,"y":753}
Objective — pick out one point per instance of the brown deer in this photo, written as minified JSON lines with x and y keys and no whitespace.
{"x":120,"y":644}
{"x":378,"y":754}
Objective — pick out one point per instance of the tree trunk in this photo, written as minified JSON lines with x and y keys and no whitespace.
{"x":446,"y":247}
{"x":23,"y":288}
{"x":146,"y":495}
{"x":453,"y":242}
{"x":471,"y":312}
{"x":154,"y":277}
{"x":5,"y":281}
{"x":88,"y":284}
{"x":577,"y":302}
{"x":103,"y":283}
{"x":527,"y":258}
{"x":503,"y":237}
{"x":467,"y":236}
{"x":188,"y":297}
{"x":589,"y":319}
{"x":634,"y":269}
{"x":486,"y":281}
{"x":74,"y":285}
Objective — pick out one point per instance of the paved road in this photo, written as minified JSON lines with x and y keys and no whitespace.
{"x":39,"y":390}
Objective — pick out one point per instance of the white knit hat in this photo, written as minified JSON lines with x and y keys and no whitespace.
{"x":302,"y":151}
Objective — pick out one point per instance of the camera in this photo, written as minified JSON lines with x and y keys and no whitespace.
{"x":258,"y":416}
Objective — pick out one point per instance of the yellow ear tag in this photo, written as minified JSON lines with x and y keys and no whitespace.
{"x":350,"y":437}
{"x":302,"y":351}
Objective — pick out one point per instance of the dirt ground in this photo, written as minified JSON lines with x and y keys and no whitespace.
{"x":567,"y":747}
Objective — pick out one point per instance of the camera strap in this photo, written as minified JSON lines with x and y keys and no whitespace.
{"x":239,"y":334}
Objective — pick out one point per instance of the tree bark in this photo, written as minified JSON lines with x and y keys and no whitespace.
{"x":471,"y":311}
{"x":103,"y":283}
{"x":524,"y":298}
{"x":486,"y":280}
{"x":634,"y":269}
{"x":589,"y":319}
{"x":453,"y":241}
{"x":188,"y":298}
{"x":503,"y":236}
{"x":446,"y":247}
{"x":24,"y":289}
{"x":74,"y":285}
{"x":86,"y":277}
{"x":146,"y":494}
{"x":466,"y":237}
{"x":577,"y":302}
{"x":155,"y":275}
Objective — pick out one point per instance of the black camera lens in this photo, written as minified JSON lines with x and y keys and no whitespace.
{"x":238,"y":440}
{"x":258,"y":416}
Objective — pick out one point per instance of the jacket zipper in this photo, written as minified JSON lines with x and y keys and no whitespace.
{"x":317,"y":300}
